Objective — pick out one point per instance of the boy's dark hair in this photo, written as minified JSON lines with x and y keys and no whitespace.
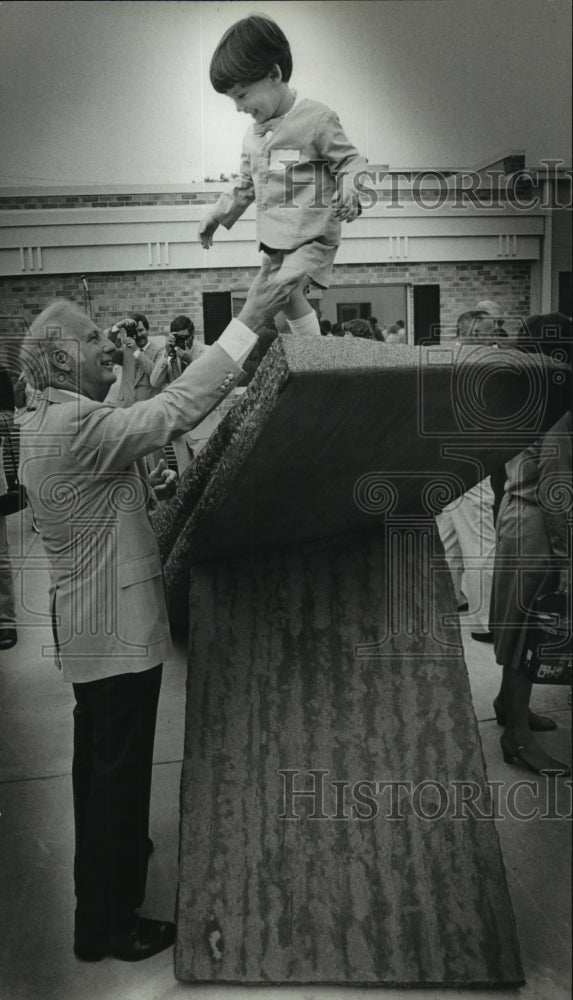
{"x":248,"y":51}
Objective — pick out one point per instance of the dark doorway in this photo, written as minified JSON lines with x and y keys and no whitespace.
{"x":426,"y":314}
{"x":217,"y":314}
{"x":347,"y":311}
{"x":565,"y":280}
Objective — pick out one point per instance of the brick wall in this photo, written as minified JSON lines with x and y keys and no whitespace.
{"x":462,"y":284}
{"x":37,"y":201}
{"x":161,"y":295}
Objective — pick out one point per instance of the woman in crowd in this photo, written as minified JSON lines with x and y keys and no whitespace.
{"x":532,"y":559}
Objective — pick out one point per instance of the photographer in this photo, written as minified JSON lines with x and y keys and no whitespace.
{"x":136,"y":355}
{"x":180,"y":351}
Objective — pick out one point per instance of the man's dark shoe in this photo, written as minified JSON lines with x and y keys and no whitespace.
{"x":147,"y":938}
{"x":8,"y":638}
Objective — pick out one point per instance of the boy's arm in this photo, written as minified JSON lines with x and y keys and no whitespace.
{"x":230,"y":205}
{"x":344,"y":162}
{"x":335,"y":147}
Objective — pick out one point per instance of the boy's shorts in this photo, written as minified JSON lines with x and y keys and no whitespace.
{"x":314,"y":259}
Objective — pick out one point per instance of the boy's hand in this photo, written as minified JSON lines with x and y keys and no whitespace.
{"x":346,"y":205}
{"x":268,"y":295}
{"x":207,"y":227}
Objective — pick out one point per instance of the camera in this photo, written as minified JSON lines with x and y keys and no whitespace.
{"x":180,"y":341}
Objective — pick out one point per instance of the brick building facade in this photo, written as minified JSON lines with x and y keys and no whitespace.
{"x":138,"y":251}
{"x":162,"y":295}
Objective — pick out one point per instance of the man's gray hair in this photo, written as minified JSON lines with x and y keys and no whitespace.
{"x":466,"y":327}
{"x":55,"y":325}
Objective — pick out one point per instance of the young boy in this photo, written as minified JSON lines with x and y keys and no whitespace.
{"x":297,"y":163}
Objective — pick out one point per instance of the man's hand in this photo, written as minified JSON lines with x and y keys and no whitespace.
{"x":207,"y":227}
{"x":184,"y":355}
{"x":163,"y":480}
{"x":130,"y":343}
{"x":127,"y":323}
{"x":268,"y":295}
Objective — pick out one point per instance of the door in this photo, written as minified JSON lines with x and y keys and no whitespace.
{"x":217,"y":314}
{"x":426,"y":314}
{"x":565,"y":292}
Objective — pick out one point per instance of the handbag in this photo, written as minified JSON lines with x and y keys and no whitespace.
{"x":15,"y":499}
{"x":548,"y":643}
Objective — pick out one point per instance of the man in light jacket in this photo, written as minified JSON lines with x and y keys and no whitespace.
{"x":82,"y":464}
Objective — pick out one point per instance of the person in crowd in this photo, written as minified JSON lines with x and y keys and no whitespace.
{"x":325,"y":327}
{"x":532,"y":559}
{"x":145,"y":354}
{"x":135,"y":355}
{"x":542,"y":333}
{"x":252,"y":65}
{"x":401,"y":331}
{"x":466,"y":525}
{"x":377,"y":332}
{"x":495,"y":312}
{"x":337,"y":330}
{"x":392,"y":335}
{"x":111,"y":632}
{"x":359,"y":328}
{"x":181,"y":349}
{"x":8,"y":633}
{"x":547,"y":333}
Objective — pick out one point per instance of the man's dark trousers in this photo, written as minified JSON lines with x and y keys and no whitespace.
{"x":114,"y":732}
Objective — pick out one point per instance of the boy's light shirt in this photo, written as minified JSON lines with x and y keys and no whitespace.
{"x":294,"y":207}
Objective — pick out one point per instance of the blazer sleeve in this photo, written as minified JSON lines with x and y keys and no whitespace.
{"x":232,"y":204}
{"x":104,"y":438}
{"x":147,"y":361}
{"x":160,"y":375}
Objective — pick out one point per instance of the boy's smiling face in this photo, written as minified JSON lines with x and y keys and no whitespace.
{"x":262,"y":99}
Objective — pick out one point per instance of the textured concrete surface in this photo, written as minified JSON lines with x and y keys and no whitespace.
{"x":306,"y":671}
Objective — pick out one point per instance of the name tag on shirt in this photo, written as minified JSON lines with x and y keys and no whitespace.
{"x":279,"y":156}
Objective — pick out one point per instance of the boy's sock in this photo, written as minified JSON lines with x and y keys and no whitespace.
{"x":307,"y":325}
